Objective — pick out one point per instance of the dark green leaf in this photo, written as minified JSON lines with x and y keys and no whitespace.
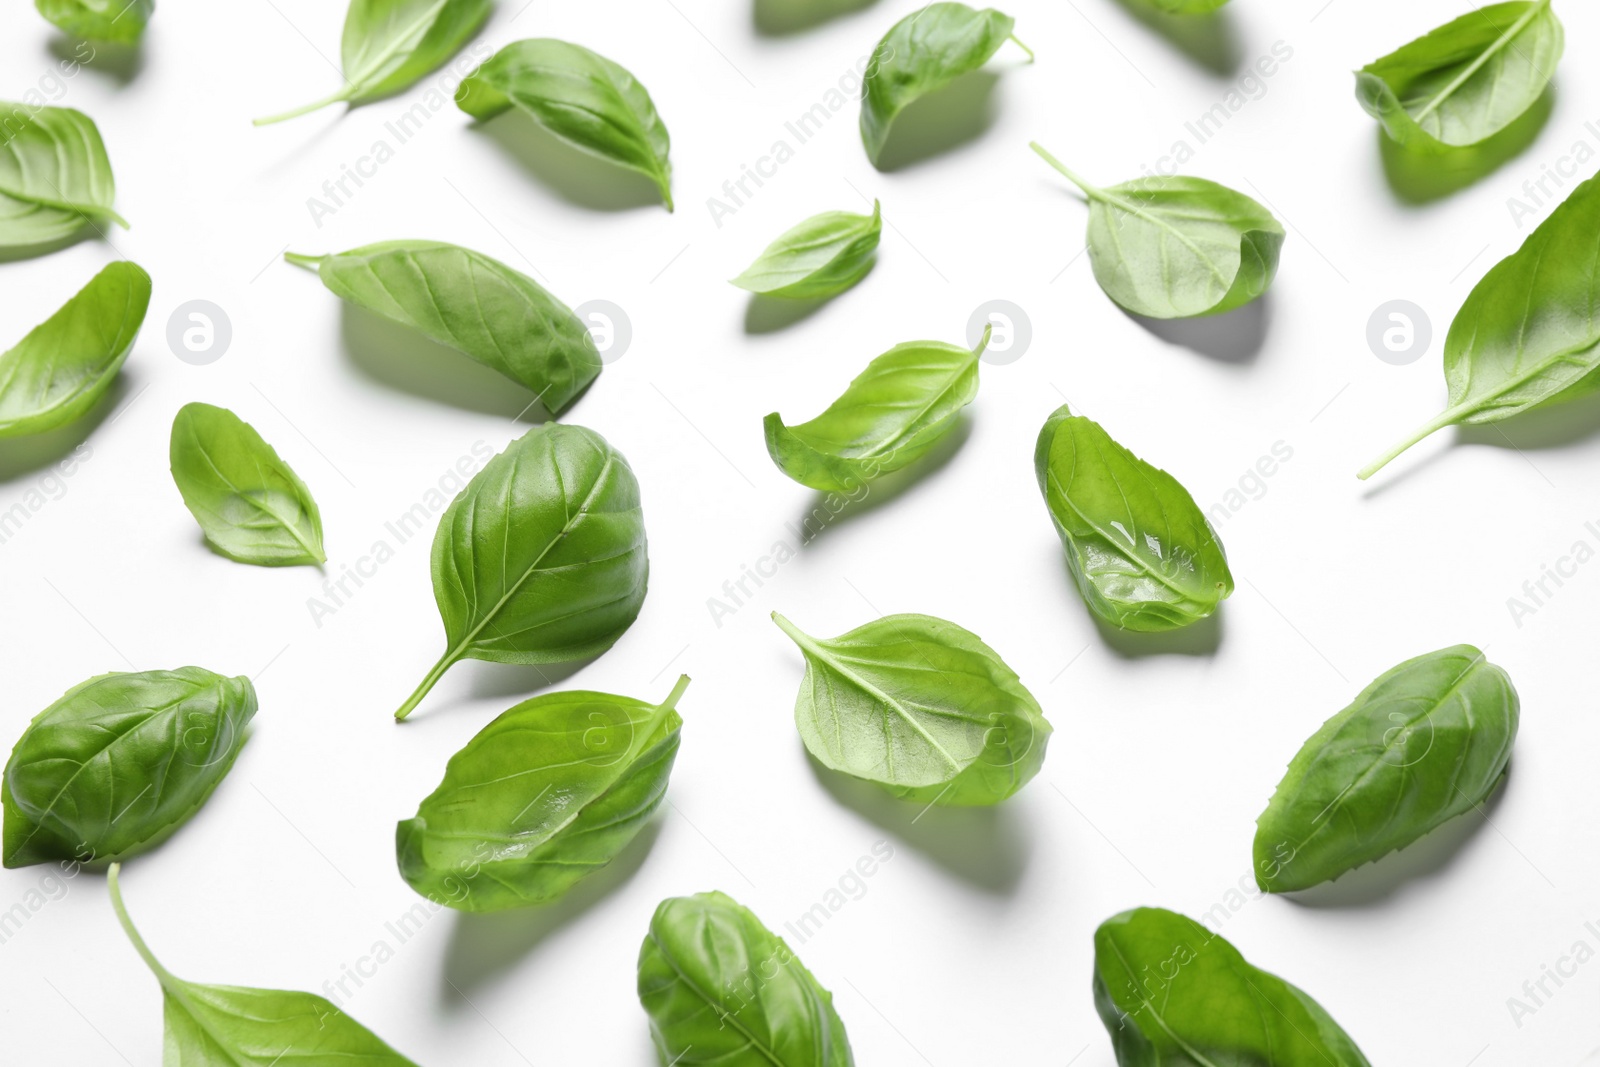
{"x":477,"y":305}
{"x":722,"y":990}
{"x":1140,"y":549}
{"x":1173,"y":994}
{"x":117,"y":21}
{"x":921,"y":707}
{"x":541,"y":559}
{"x":890,"y":416}
{"x":55,"y":177}
{"x":252,"y":507}
{"x":549,"y":792}
{"x":231,"y":1026}
{"x":1467,"y":80}
{"x":389,"y":44}
{"x":822,"y":257}
{"x":1427,"y":741}
{"x":121,"y":761}
{"x":1176,"y":247}
{"x":922,"y":53}
{"x":579,"y":96}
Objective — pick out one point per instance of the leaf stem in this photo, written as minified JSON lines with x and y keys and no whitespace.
{"x":1065,"y":171}
{"x":1018,"y":41}
{"x":1443,"y":419}
{"x":308,"y":262}
{"x":671,"y":703}
{"x":338,"y":97}
{"x":446,"y":661}
{"x":128,"y":927}
{"x":983,"y":342}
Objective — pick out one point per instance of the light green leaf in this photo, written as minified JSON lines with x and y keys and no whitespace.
{"x":251,"y":505}
{"x":55,"y":177}
{"x":822,"y":257}
{"x":117,"y":21}
{"x":581,"y":97}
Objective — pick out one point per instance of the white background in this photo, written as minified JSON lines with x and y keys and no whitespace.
{"x":972,"y":945}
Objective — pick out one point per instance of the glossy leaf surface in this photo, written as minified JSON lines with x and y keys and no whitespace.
{"x":920,"y":706}
{"x":822,"y":257}
{"x":119,"y":762}
{"x":117,"y":21}
{"x":55,"y":176}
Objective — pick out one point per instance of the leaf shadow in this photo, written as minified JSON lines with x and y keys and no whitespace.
{"x":1210,"y":40}
{"x":986,"y":847}
{"x":1420,"y":178}
{"x":769,"y":314}
{"x":824,"y":511}
{"x":783,"y":18}
{"x":521,"y":680}
{"x":482,"y":947}
{"x":943,"y":120}
{"x":1201,"y":638}
{"x":403,"y":359}
{"x":122,"y":63}
{"x":573,"y":174}
{"x":21,"y":456}
{"x":1236,"y":336}
{"x":1422,"y":861}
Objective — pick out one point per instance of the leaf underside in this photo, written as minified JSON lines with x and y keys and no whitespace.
{"x":55,"y":176}
{"x":820,"y":258}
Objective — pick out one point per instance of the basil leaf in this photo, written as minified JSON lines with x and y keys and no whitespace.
{"x":541,"y":558}
{"x":1467,"y":80}
{"x":1189,"y":7}
{"x":551,"y":791}
{"x":1525,"y":335}
{"x":1427,"y":741}
{"x":55,"y":176}
{"x":252,"y":507}
{"x":920,"y":706}
{"x":581,"y":97}
{"x":889,"y":417}
{"x":474,"y":304}
{"x":720,"y":988}
{"x":117,"y":21}
{"x":231,"y":1025}
{"x":1171,"y":992}
{"x":822,"y":257}
{"x":120,"y":762}
{"x":1175,"y":247}
{"x":922,"y":53}
{"x":1139,"y":548}
{"x":64,"y":366}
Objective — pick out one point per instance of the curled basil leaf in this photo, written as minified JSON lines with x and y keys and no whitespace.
{"x":120,"y":762}
{"x":1427,"y":741}
{"x":920,"y":706}
{"x":551,"y":791}
{"x":226,"y":1025}
{"x":1525,"y":336}
{"x":541,"y":558}
{"x":252,"y":507}
{"x":720,"y":988}
{"x":116,"y":21}
{"x":57,"y":373}
{"x":922,"y":53}
{"x":474,"y":304}
{"x":581,"y":97}
{"x":822,"y":257}
{"x":1467,"y":80}
{"x":55,"y":176}
{"x":1139,"y":548}
{"x":1171,"y":992}
{"x":890,"y":416}
{"x":389,"y":44}
{"x":1176,"y":247}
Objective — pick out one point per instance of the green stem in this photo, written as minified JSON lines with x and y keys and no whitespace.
{"x":308,"y":262}
{"x":128,"y":927}
{"x":338,"y":97}
{"x":983,"y":342}
{"x":1065,"y":171}
{"x":671,"y":703}
{"x":1022,"y":46}
{"x":1444,"y":419}
{"x":446,"y":661}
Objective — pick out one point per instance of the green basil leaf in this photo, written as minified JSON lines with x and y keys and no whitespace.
{"x":822,"y":257}
{"x":551,"y":791}
{"x":920,"y":706}
{"x":231,"y":1026}
{"x":1467,"y":80}
{"x":55,"y":176}
{"x":120,"y":762}
{"x":722,"y":989}
{"x":60,"y":370}
{"x":1139,"y":548}
{"x":890,"y":416}
{"x":252,"y":507}
{"x":1427,"y":741}
{"x":1525,"y":336}
{"x":474,"y":304}
{"x":1173,"y":994}
{"x":117,"y":21}
{"x":581,"y":97}
{"x":541,"y":558}
{"x":1176,"y":247}
{"x":922,"y":53}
